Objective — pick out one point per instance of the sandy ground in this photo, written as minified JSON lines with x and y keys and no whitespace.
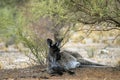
{"x":38,"y":73}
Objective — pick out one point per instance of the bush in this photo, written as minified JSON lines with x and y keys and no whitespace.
{"x":37,"y":46}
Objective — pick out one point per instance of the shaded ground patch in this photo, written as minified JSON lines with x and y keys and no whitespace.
{"x":38,"y":73}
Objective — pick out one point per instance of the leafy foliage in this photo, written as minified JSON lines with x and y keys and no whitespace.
{"x":94,"y":11}
{"x":16,"y":17}
{"x":37,"y":49}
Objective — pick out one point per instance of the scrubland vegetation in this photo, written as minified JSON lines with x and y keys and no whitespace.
{"x":90,"y":27}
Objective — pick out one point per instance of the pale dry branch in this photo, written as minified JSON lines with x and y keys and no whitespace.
{"x":114,"y":28}
{"x":115,"y":38}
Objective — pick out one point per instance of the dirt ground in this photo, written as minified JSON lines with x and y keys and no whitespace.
{"x":38,"y":73}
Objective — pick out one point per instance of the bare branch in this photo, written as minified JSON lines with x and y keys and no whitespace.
{"x":66,"y":36}
{"x":116,"y":38}
{"x":100,"y":29}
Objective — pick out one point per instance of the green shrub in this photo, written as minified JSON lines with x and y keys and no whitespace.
{"x":37,"y":46}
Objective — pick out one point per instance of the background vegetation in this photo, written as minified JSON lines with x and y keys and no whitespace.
{"x":32,"y":21}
